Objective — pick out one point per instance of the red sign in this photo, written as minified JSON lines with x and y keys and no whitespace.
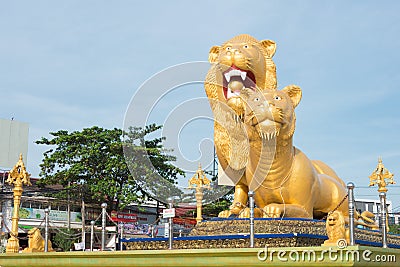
{"x":185,"y":222}
{"x":123,"y":217}
{"x":169,"y":213}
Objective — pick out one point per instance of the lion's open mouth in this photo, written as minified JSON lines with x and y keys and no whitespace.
{"x":235,"y":79}
{"x":267,"y":129}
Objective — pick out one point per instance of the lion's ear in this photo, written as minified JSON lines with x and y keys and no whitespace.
{"x":270,"y":47}
{"x":294,"y":92}
{"x":213,"y":54}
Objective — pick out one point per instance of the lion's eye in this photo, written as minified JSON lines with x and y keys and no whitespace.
{"x":277,"y":97}
{"x":256,"y":99}
{"x":228,"y":48}
{"x":245,"y":46}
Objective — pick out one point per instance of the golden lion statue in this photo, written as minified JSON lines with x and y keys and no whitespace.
{"x":253,"y":136}
{"x":36,"y":242}
{"x":336,"y":231}
{"x":243,"y":61}
{"x":285,"y":181}
{"x":338,"y":235}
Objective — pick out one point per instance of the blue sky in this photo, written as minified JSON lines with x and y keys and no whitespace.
{"x":75,"y":64}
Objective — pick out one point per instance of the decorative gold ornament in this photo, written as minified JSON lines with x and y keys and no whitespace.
{"x":18,"y":177}
{"x":199,"y":181}
{"x":335,"y":228}
{"x":36,"y":242}
{"x":366,"y":219}
{"x":381,"y":177}
{"x":285,"y":181}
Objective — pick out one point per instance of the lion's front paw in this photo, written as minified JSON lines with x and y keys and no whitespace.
{"x":272,"y":211}
{"x":245,"y":213}
{"x":236,"y":208}
{"x":225,"y":214}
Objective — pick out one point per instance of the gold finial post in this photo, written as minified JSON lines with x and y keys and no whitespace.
{"x":381,"y":177}
{"x":18,"y":176}
{"x":199,"y":181}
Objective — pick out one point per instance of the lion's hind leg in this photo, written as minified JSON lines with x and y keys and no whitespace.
{"x":275,"y":210}
{"x":323,"y":168}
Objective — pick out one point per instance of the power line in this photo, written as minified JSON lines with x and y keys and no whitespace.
{"x":391,"y":186}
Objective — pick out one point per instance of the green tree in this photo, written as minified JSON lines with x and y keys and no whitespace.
{"x":223,"y":203}
{"x":394,"y":229}
{"x":65,"y":238}
{"x":214,"y":208}
{"x":92,"y":163}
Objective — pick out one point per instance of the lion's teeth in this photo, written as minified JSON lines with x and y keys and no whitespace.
{"x":231,"y":93}
{"x":227,"y":77}
{"x":268,"y":136}
{"x":243,"y":75}
{"x":233,"y":73}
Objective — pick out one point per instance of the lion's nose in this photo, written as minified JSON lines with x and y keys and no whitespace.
{"x":268,"y":103}
{"x":233,"y":52}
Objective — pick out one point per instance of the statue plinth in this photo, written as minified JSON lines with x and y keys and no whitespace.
{"x":12,"y":245}
{"x":234,"y":233}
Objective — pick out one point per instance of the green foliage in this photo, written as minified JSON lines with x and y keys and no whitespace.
{"x":65,"y":238}
{"x":394,"y":229}
{"x":91,"y":163}
{"x":148,"y":160}
{"x":213,"y":209}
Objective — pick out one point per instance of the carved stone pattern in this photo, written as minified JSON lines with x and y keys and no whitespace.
{"x":234,"y":227}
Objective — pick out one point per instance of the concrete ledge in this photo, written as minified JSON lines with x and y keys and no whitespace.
{"x":282,"y":256}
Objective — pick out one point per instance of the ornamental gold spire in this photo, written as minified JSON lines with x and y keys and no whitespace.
{"x":18,"y":176}
{"x":199,"y":181}
{"x":381,"y":177}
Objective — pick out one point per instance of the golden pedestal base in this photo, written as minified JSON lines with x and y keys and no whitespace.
{"x":12,"y":245}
